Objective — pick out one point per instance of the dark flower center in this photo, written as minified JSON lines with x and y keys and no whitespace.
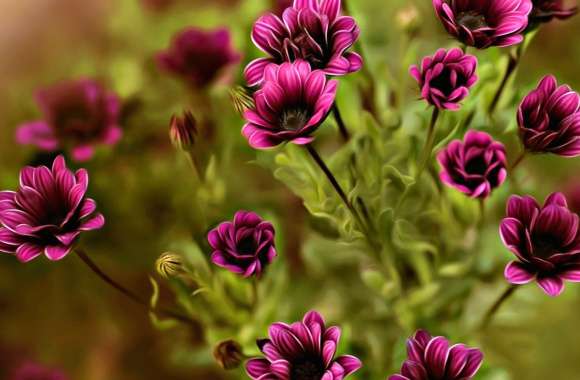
{"x":247,"y":246}
{"x":294,"y":119}
{"x":546,"y":245}
{"x":75,"y":121}
{"x":477,"y":165}
{"x":307,"y":368}
{"x":442,"y":82}
{"x":471,"y":20}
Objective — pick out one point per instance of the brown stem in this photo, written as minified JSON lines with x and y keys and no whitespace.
{"x":128,"y":293}
{"x":428,"y":149}
{"x":518,"y":160}
{"x":340,"y":122}
{"x":513,"y":63}
{"x":497,"y":304}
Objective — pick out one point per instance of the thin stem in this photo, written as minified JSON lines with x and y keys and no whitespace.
{"x":496,"y":305}
{"x":481,"y":211}
{"x":340,"y":122}
{"x":195,"y":165}
{"x":255,"y":294}
{"x":128,"y":293}
{"x":510,"y":70}
{"x":428,"y":149}
{"x":518,"y":160}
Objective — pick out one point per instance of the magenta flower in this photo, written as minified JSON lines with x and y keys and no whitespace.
{"x":302,"y":351}
{"x":47,"y":213}
{"x":549,"y":119}
{"x":199,"y":56}
{"x":475,"y":166}
{"x":312,"y":30}
{"x":35,"y":371}
{"x":485,"y":23}
{"x":291,"y":104}
{"x":78,"y":115}
{"x":245,"y":245}
{"x":546,"y":241}
{"x":547,"y":10}
{"x":446,"y":77}
{"x":432,"y":358}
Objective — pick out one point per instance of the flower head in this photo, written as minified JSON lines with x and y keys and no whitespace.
{"x":183,"y":131}
{"x":291,"y":104}
{"x":312,"y":30}
{"x":35,"y":371}
{"x":244,"y":246}
{"x":77,"y":115}
{"x":47,"y":213}
{"x":433,"y":358}
{"x":446,"y":77}
{"x":485,"y":23}
{"x":302,"y":351}
{"x":547,"y":10}
{"x":475,"y":166}
{"x":228,"y":354}
{"x":198,"y":56}
{"x":546,"y":241}
{"x":549,"y":119}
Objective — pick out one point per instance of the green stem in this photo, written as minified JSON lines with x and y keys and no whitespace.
{"x":513,"y":63}
{"x":496,"y":306}
{"x":340,"y":122}
{"x":518,"y":160}
{"x":428,"y":149}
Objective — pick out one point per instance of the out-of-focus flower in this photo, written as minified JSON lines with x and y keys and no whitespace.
{"x":47,"y":213}
{"x":549,"y":119}
{"x":199,"y":56}
{"x":291,"y":104}
{"x":547,"y":10}
{"x":279,"y":6}
{"x":475,"y":166}
{"x":183,"y":131}
{"x":169,"y":265}
{"x":409,"y":19}
{"x":485,"y":23}
{"x":242,"y":99}
{"x":572,"y":192}
{"x":245,"y":245}
{"x":228,"y":354}
{"x":303,"y":350}
{"x":446,"y":77}
{"x":433,"y":358}
{"x":77,"y":115}
{"x":35,"y":371}
{"x":546,"y":241}
{"x":312,"y":30}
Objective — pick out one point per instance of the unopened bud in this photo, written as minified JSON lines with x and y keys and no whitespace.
{"x":169,"y":265}
{"x":228,"y":354}
{"x":242,"y":99}
{"x":183,"y":131}
{"x":409,"y":19}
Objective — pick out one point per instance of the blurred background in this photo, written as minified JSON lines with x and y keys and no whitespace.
{"x":61,"y":316}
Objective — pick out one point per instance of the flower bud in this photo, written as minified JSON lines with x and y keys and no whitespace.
{"x":183,"y":131}
{"x":228,"y":354}
{"x":408,"y":19}
{"x":242,"y":99}
{"x":169,"y":265}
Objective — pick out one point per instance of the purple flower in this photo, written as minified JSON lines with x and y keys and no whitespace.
{"x":34,"y":371}
{"x":291,"y":104}
{"x":78,"y":114}
{"x":546,"y":241}
{"x":198,"y":56}
{"x":432,"y":358}
{"x":547,"y":10}
{"x":302,"y":351}
{"x":485,"y":23}
{"x":183,"y":131}
{"x":312,"y":30}
{"x":475,"y":166}
{"x":446,"y":77}
{"x":549,"y":119}
{"x":47,"y":213}
{"x":244,"y":246}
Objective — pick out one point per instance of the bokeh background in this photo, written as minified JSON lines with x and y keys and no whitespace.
{"x":59,"y":314}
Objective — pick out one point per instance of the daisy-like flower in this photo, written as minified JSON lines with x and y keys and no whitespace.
{"x":245,"y":245}
{"x":302,"y":351}
{"x":547,"y":10}
{"x":47,"y":213}
{"x":446,"y":77}
{"x":475,"y":166}
{"x":546,"y":241}
{"x":290,"y":106}
{"x":198,"y":56}
{"x":485,"y":23}
{"x":78,"y":115}
{"x":312,"y":30}
{"x":431,"y":358}
{"x":549,"y":119}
